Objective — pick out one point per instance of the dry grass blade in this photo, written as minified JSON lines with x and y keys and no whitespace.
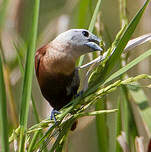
{"x":138,"y":41}
{"x":122,"y":141}
{"x":139,"y":144}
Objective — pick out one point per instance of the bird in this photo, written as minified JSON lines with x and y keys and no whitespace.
{"x":55,"y":66}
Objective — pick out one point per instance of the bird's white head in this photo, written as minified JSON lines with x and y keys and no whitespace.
{"x":78,"y":42}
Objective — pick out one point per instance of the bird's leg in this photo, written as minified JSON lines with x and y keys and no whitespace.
{"x":53,"y":115}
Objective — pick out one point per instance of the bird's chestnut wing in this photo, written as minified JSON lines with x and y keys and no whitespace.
{"x":39,"y":54}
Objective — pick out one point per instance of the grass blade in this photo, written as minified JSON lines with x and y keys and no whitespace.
{"x":121,"y":45}
{"x":142,"y":105}
{"x":26,"y":94}
{"x":83,"y":11}
{"x":3,"y":112}
{"x":129,"y":66}
{"x":3,"y":105}
{"x":124,"y":39}
{"x":22,"y":72}
{"x":91,"y":26}
{"x":137,"y":41}
{"x":125,"y":113}
{"x":29,"y":68}
{"x":93,"y":20}
{"x":119,"y":126}
{"x":101,"y":127}
{"x":3,"y":9}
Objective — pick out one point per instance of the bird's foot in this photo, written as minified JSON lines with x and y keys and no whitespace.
{"x":79,"y":94}
{"x":53,"y":115}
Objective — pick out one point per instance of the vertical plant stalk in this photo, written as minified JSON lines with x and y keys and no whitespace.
{"x":3,"y":104}
{"x":22,"y":73}
{"x":27,"y":85}
{"x":9,"y":94}
{"x":123,"y":16}
{"x":10,"y":97}
{"x":101,"y":127}
{"x":94,"y":17}
{"x":37,"y":133}
{"x":130,"y":131}
{"x":119,"y":126}
{"x":91,"y":26}
{"x":3,"y":112}
{"x":3,"y":10}
{"x":125,"y":111}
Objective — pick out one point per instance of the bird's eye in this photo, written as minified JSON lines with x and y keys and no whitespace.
{"x":85,"y":33}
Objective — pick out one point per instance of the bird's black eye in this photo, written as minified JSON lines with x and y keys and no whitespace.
{"x":85,"y":33}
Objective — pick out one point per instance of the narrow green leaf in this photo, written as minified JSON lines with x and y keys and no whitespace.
{"x":129,"y":66}
{"x":93,"y":20}
{"x":121,"y":45}
{"x":26,"y":94}
{"x":101,"y":126}
{"x":94,"y":113}
{"x":3,"y":112}
{"x":118,"y":127}
{"x":33,"y":141}
{"x":4,"y":5}
{"x":142,"y":106}
{"x":3,"y":105}
{"x":63,"y":132}
{"x":22,"y":72}
{"x":124,"y":40}
{"x":83,"y":11}
{"x":125,"y":113}
{"x":44,"y":137}
{"x":91,"y":26}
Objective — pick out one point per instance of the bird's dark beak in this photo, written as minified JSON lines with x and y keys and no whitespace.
{"x":93,"y":43}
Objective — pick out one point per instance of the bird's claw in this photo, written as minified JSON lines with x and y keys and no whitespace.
{"x":53,"y":115}
{"x":79,"y":94}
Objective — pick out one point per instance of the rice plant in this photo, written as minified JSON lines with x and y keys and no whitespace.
{"x":114,"y":110}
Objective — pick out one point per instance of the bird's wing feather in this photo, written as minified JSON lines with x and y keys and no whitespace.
{"x":39,"y":54}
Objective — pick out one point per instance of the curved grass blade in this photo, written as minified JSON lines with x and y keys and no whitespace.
{"x":48,"y":140}
{"x":63,"y":132}
{"x":129,"y":66}
{"x":130,"y":45}
{"x":124,"y":40}
{"x":120,"y":46}
{"x":44,"y":138}
{"x":137,"y":41}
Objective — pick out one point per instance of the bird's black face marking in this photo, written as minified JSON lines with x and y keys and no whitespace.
{"x":85,"y":33}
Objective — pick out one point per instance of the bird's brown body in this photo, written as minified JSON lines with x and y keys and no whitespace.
{"x":55,"y":65}
{"x":57,"y":86}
